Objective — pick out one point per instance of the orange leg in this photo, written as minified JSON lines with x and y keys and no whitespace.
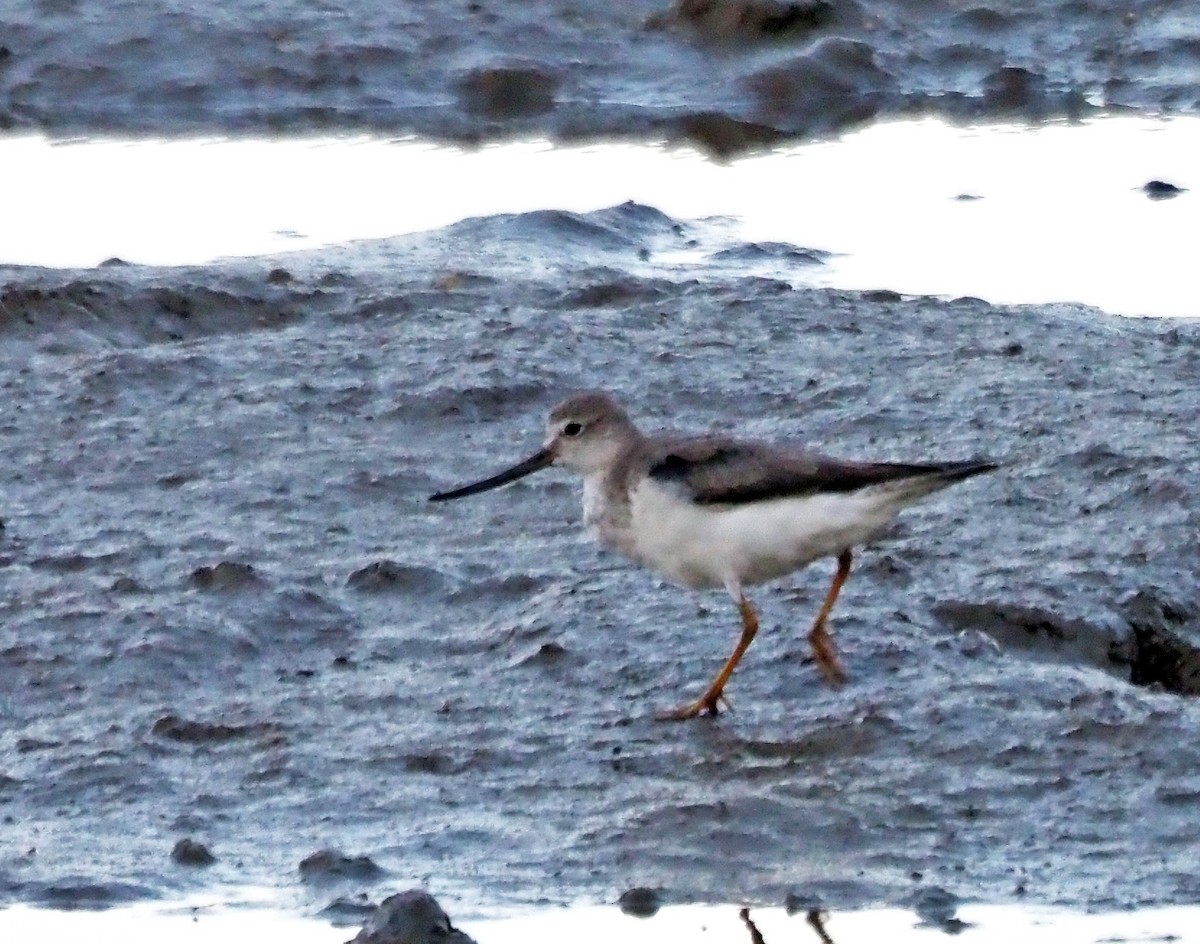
{"x":819,"y":638}
{"x":713,"y":694}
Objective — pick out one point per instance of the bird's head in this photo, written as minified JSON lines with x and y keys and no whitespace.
{"x":585,"y":433}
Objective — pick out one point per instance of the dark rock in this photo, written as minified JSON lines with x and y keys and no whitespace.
{"x":1166,"y":637}
{"x":190,"y":852}
{"x":411,"y":917}
{"x":640,"y":902}
{"x":279,"y":277}
{"x":331,"y":864}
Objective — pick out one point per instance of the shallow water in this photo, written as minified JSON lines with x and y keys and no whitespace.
{"x":203,"y":922}
{"x":1010,"y":214}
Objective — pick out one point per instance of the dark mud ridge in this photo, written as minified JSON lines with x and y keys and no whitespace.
{"x":727,"y":74}
{"x":228,"y":614}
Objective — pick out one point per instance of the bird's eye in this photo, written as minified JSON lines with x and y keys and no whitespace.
{"x":572,"y":429}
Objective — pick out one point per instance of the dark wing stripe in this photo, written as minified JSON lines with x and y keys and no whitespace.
{"x":728,"y":474}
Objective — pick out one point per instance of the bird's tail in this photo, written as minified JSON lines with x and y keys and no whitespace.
{"x":916,"y":481}
{"x":951,"y":472}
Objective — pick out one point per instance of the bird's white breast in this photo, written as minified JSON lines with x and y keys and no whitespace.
{"x":713,"y":545}
{"x":606,"y":519}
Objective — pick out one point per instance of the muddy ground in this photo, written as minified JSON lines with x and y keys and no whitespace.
{"x":227,"y":613}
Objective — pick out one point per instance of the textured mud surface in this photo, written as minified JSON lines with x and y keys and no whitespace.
{"x":726,"y":73}
{"x":227,"y":613}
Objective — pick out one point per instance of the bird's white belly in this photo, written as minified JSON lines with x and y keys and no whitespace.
{"x":712,"y":545}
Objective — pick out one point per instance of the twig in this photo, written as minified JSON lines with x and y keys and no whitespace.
{"x":818,"y":924}
{"x":755,"y":935}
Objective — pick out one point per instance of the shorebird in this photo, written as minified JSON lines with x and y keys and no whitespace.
{"x":711,"y":511}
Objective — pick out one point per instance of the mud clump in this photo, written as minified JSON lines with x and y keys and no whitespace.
{"x":227,"y":576}
{"x":1016,"y":91}
{"x":1161,"y":649}
{"x":506,"y":93}
{"x":1162,"y":189}
{"x":640,"y":902}
{"x":730,"y":20}
{"x":174,"y":728}
{"x":1036,"y":631}
{"x":190,"y":852}
{"x":384,"y":576}
{"x":832,"y":85}
{"x":938,"y":908}
{"x":1166,"y":636}
{"x":412,"y":917}
{"x":328,"y":865}
{"x":348,"y":911}
{"x":77,"y":893}
{"x":761,"y":251}
{"x":724,"y":137}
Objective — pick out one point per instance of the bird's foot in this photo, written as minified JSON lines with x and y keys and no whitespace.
{"x":831,"y":670}
{"x":706,"y":704}
{"x":825,"y":655}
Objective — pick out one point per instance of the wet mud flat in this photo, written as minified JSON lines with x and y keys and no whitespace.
{"x":729,"y":74}
{"x":228,"y":615}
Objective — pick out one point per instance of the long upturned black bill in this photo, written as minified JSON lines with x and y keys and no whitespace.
{"x":539,"y":460}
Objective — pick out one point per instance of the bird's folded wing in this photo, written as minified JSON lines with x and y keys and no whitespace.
{"x":729,"y":472}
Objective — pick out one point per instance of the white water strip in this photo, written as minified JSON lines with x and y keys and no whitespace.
{"x":1058,"y":214}
{"x":195,"y":923}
